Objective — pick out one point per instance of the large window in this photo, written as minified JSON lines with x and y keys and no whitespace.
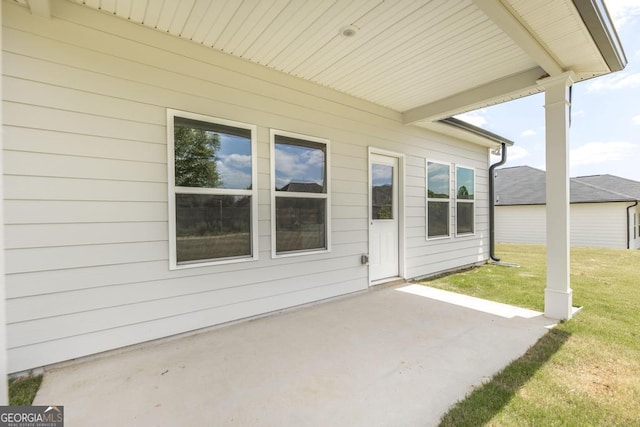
{"x":465,"y":201}
{"x":300,"y":194}
{"x":212,"y":181}
{"x":438,"y":199}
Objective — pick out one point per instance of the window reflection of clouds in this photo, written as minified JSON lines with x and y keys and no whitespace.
{"x":438,"y":178}
{"x":382,"y":175}
{"x":298,"y":164}
{"x":233,"y":161}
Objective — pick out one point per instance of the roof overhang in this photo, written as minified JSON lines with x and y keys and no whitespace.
{"x":468,"y":132}
{"x":598,"y":22}
{"x":426,"y":60}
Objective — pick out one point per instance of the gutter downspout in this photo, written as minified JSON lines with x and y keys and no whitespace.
{"x":492,"y":200}
{"x":628,"y":230}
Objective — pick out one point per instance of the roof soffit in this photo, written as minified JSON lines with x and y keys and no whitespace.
{"x":425,"y":59}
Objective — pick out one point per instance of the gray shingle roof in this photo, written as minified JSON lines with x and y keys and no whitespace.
{"x":524,"y":185}
{"x":302,"y":187}
{"x":613,"y":183}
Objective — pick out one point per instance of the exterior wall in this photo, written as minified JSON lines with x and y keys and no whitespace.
{"x":521,"y":224}
{"x":4,"y":392}
{"x":86,"y":185}
{"x":592,"y":224}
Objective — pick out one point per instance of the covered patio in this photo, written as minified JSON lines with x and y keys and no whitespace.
{"x":400,"y":355}
{"x":363,"y":74}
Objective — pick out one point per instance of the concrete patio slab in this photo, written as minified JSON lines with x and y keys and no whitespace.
{"x":398,"y":356}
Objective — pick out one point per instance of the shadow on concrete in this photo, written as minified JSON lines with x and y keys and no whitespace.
{"x":481,"y":405}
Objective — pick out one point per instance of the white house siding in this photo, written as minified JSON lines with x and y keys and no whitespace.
{"x":592,"y":224}
{"x":521,"y":224}
{"x":85,"y":98}
{"x":599,"y":224}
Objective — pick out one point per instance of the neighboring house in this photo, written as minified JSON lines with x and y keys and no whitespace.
{"x":147,"y":145}
{"x":604,"y":209}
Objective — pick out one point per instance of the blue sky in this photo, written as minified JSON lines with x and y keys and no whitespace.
{"x":233,"y":161}
{"x":605,"y":128}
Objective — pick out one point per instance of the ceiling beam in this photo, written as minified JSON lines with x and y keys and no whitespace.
{"x":40,"y":8}
{"x":496,"y":91}
{"x":510,"y":25}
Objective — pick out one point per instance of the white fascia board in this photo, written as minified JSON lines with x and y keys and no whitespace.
{"x":460,"y":134}
{"x":595,"y":16}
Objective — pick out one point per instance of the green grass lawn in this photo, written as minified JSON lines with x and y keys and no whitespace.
{"x":23,"y":390}
{"x":585,"y":372}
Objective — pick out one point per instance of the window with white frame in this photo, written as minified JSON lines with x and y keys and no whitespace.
{"x":465,"y":200}
{"x":212,"y":190}
{"x":300,"y":194}
{"x":438,"y":199}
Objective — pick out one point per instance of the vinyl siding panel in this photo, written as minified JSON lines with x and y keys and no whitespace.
{"x":521,"y":224}
{"x":592,"y":224}
{"x":599,"y":224}
{"x":86,"y":186}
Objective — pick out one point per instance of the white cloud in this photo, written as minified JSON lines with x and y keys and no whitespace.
{"x":528,"y":132}
{"x":287,"y":163}
{"x":517,"y":153}
{"x":600,"y":152}
{"x":623,"y":11}
{"x":234,"y":170}
{"x":233,"y":177}
{"x":476,"y":118}
{"x":616,"y":81}
{"x":297,"y":164}
{"x":313,"y":157}
{"x":238,"y":161}
{"x":636,"y":119}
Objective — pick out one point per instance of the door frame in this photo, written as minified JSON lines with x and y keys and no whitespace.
{"x":401,"y":212}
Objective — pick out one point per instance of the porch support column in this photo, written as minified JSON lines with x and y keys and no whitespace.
{"x":558,"y":294}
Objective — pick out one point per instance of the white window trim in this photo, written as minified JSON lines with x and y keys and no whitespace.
{"x":456,"y":200}
{"x":326,"y":196}
{"x":426,"y":219}
{"x":173,"y":189}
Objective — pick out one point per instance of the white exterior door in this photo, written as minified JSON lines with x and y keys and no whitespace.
{"x":383,"y":218}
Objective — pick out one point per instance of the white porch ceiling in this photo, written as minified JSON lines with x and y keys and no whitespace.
{"x":427,"y":59}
